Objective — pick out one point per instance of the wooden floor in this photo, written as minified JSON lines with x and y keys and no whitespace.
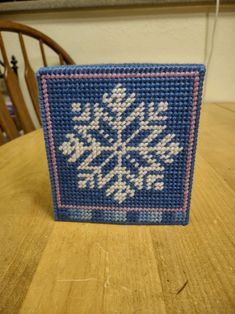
{"x":55,"y":267}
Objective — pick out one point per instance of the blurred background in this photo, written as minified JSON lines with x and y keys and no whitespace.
{"x":130,"y":31}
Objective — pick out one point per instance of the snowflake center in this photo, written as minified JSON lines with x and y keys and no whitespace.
{"x":121,"y":148}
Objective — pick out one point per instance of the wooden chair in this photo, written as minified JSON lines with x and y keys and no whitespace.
{"x":7,"y":125}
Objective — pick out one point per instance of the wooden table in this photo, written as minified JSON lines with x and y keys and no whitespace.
{"x":59,"y":267}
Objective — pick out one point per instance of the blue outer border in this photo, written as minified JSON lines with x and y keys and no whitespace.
{"x":111,"y":216}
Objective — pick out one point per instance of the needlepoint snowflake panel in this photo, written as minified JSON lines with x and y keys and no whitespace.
{"x":121,"y":140}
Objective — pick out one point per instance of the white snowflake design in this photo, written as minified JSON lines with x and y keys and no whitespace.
{"x":116,"y":145}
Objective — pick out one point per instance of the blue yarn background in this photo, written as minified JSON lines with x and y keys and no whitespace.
{"x":177,"y":91}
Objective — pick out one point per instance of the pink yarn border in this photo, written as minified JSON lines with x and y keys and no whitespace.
{"x":194,"y":74}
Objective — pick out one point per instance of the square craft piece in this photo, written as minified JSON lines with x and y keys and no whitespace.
{"x":121,"y":140}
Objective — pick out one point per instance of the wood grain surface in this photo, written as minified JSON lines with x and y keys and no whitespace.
{"x":60,"y":267}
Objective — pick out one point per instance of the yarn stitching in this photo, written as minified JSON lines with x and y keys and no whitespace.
{"x":135,"y":166}
{"x":119,"y":214}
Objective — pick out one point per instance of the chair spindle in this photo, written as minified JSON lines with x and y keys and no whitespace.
{"x":15,"y":93}
{"x":30,"y":78}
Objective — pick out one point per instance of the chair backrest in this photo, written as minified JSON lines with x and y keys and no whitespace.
{"x":8,"y":126}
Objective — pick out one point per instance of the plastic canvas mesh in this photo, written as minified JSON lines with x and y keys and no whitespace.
{"x":121,"y":140}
